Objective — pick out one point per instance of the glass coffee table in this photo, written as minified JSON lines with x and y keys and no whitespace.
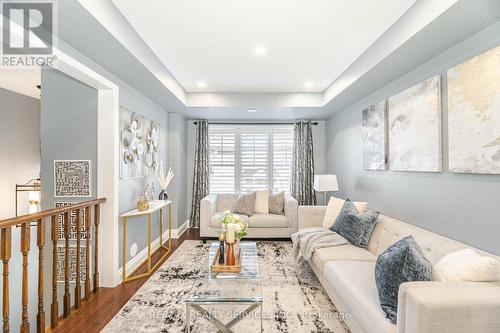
{"x":228,"y":289}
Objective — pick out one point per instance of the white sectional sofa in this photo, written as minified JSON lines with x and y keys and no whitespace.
{"x":347,"y":274}
{"x":259,"y":225}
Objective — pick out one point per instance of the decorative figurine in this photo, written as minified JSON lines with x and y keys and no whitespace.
{"x":222,"y":237}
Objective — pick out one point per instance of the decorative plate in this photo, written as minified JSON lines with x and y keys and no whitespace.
{"x":140,"y":148}
{"x":129,"y":157}
{"x":136,"y":122}
{"x":133,"y":145}
{"x":127,"y":136}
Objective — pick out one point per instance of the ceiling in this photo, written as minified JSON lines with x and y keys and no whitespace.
{"x":22,"y":81}
{"x":100,"y":32}
{"x":210,"y":46}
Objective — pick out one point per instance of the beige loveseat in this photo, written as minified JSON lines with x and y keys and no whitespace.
{"x":347,"y":274}
{"x":259,"y":225}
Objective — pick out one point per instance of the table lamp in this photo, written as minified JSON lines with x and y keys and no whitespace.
{"x":325,"y":183}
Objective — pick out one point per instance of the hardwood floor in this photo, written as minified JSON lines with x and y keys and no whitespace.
{"x":96,"y":312}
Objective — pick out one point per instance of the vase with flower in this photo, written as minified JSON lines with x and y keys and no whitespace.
{"x":164,"y":181}
{"x":237,"y":229}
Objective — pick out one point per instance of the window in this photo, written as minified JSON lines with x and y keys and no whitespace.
{"x":222,"y":163}
{"x":250,"y":157}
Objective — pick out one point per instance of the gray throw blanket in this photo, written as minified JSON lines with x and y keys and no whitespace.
{"x":308,"y":240}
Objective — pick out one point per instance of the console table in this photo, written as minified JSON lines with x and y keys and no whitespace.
{"x":154,"y":206}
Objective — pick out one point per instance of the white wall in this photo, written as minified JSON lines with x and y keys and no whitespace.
{"x":19,"y":162}
{"x":19,"y":147}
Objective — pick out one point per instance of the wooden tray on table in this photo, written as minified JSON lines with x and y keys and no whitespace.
{"x":217,"y":268}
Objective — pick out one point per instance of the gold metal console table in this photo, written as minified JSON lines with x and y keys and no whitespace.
{"x":155,"y":206}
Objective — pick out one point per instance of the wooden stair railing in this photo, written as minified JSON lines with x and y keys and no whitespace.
{"x":41,"y":218}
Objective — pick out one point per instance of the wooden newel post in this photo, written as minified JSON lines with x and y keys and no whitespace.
{"x":25,"y":247}
{"x":78,"y":286}
{"x":87,"y":253}
{"x":54,"y":236}
{"x":97,"y":215}
{"x":67,"y":297}
{"x":5,"y":254}
{"x":40,"y":241}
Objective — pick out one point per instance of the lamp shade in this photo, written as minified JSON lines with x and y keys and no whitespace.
{"x":34,"y":196}
{"x":325,"y":183}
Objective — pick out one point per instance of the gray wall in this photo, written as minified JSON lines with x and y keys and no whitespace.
{"x":68,"y":129}
{"x":132,"y":188}
{"x":459,"y":206}
{"x":19,"y":163}
{"x":178,"y":146}
{"x":68,"y":132}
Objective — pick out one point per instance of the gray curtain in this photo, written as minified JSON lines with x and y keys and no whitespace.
{"x":201,"y":171}
{"x":303,"y":164}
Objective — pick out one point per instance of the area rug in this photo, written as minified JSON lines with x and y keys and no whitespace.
{"x":293,"y":301}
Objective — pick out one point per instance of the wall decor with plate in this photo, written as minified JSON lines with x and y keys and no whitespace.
{"x":72,"y":262}
{"x":375,"y":136}
{"x":474,"y":114}
{"x":140,"y":145}
{"x":415,"y":128}
{"x":72,"y":178}
{"x":72,"y":226}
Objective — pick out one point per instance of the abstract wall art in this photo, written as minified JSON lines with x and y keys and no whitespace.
{"x":375,"y":136}
{"x":415,"y":128}
{"x":72,"y":225}
{"x":72,"y":178}
{"x":140,"y":145}
{"x":474,"y":114}
{"x":72,"y":263}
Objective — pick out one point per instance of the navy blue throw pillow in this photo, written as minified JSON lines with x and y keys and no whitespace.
{"x":353,"y":226}
{"x":401,"y":262}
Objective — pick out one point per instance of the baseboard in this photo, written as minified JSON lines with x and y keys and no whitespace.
{"x":176,"y":233}
{"x":139,"y":258}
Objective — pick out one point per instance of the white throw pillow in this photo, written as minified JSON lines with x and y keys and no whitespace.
{"x":335,"y":206}
{"x":262,"y":202}
{"x":466,"y":266}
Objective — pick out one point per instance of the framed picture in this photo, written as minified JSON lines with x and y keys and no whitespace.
{"x":415,"y":128}
{"x":72,"y":218}
{"x":72,"y":178}
{"x":375,"y":136}
{"x":139,"y":145}
{"x":474,"y":114}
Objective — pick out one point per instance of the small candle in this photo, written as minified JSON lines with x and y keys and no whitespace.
{"x":230,"y":235}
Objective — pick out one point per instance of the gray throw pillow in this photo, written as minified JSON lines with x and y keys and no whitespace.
{"x":353,"y":226}
{"x":401,"y":262}
{"x":277,"y":203}
{"x":245,"y":204}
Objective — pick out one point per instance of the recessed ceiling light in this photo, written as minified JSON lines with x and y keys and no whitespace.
{"x":252,"y":110}
{"x":201,"y":84}
{"x":260,"y":50}
{"x":309,"y":84}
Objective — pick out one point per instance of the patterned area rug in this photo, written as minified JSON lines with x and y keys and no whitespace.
{"x":293,"y":302}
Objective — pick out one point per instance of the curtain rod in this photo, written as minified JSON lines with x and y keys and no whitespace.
{"x":219,"y":123}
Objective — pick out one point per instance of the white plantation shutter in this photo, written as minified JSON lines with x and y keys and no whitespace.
{"x":254,"y":157}
{"x":222,"y":162}
{"x":282,"y":161}
{"x":250,"y":157}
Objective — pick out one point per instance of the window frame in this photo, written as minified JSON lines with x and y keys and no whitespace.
{"x":237,"y":130}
